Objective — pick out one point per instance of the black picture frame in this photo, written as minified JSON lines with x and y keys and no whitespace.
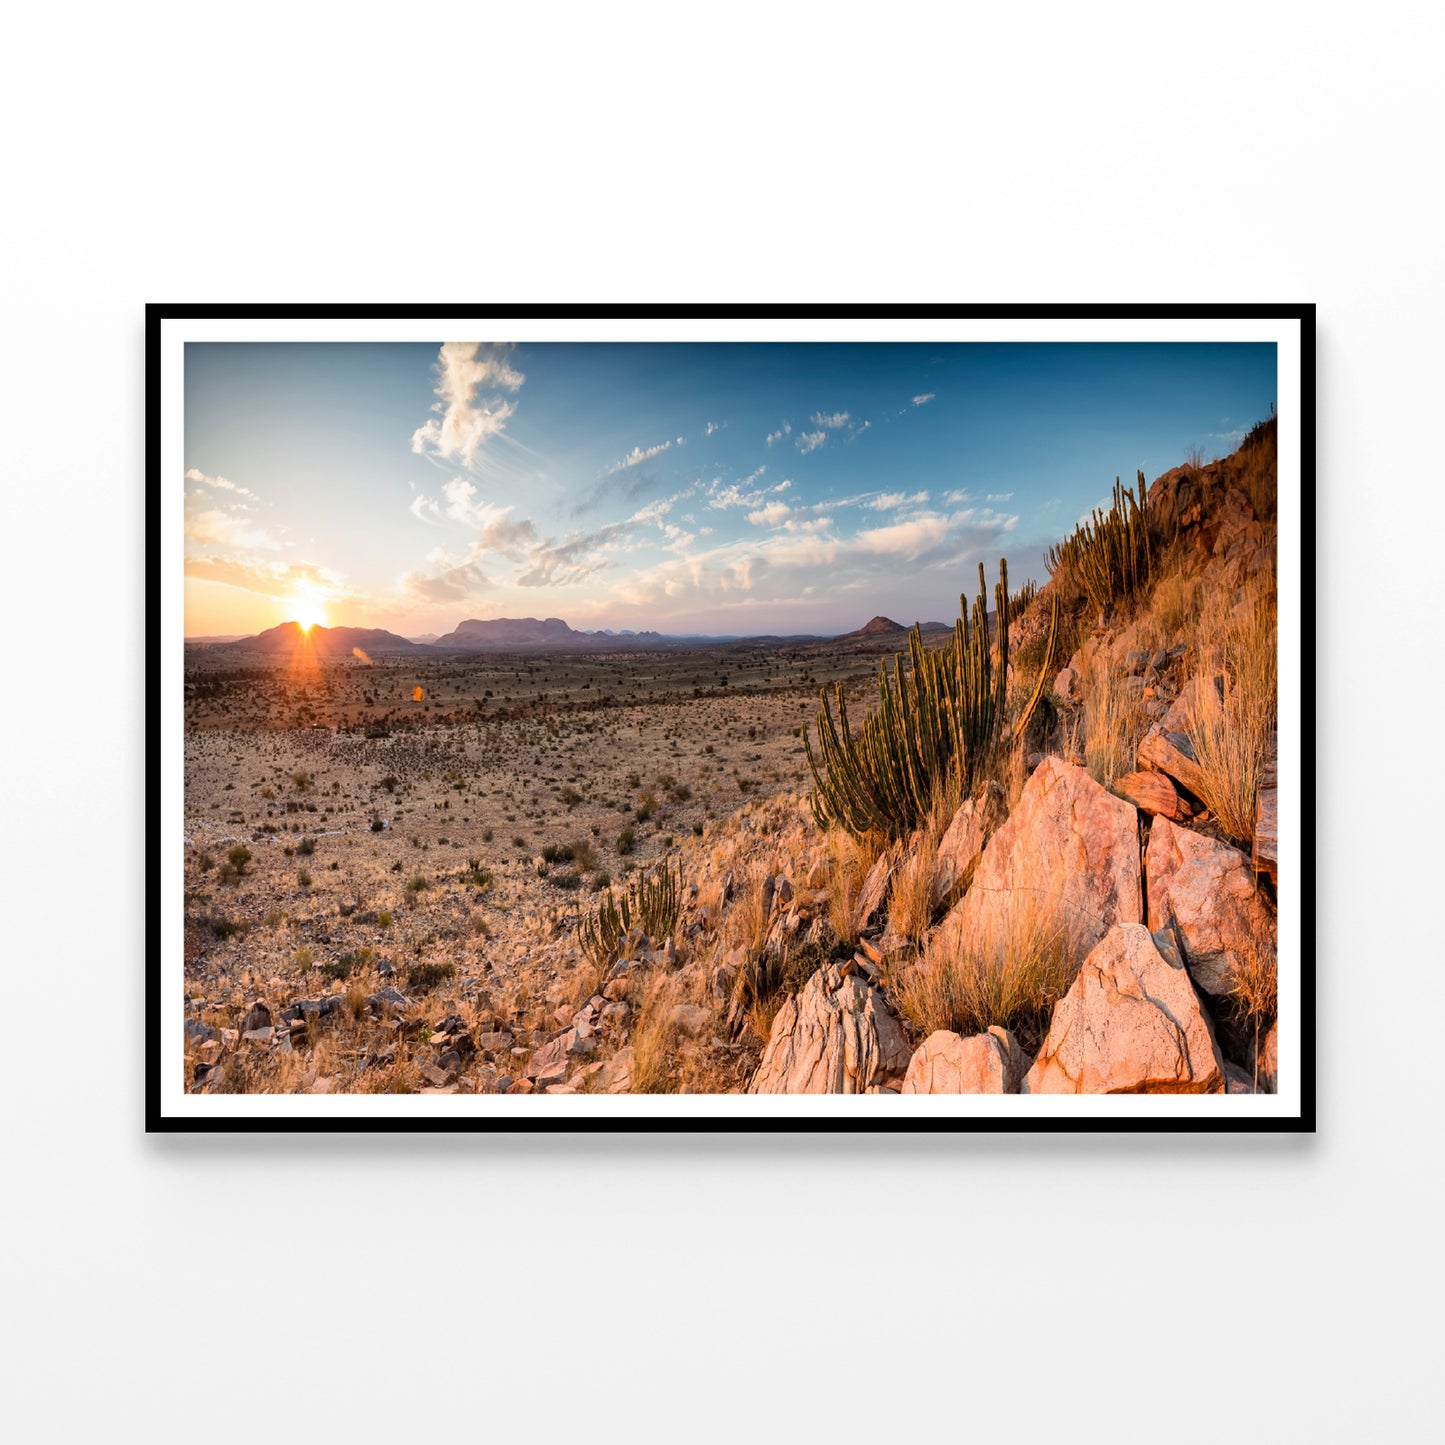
{"x":158,"y":1120}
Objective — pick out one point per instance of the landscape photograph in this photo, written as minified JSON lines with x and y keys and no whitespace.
{"x":667,"y":718}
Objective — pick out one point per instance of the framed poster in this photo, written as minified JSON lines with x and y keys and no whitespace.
{"x":889,"y":718}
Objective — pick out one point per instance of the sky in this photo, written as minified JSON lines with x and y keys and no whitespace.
{"x":717,"y":489}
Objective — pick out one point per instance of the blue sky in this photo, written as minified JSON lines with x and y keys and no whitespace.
{"x":721,"y":489}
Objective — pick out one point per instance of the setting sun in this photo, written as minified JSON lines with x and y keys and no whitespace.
{"x":307,"y":612}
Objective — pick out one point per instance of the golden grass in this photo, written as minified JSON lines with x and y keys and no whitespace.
{"x":1254,"y":989}
{"x":1175,"y":603}
{"x":849,"y":862}
{"x":910,"y":903}
{"x":1232,"y":736}
{"x":1010,"y":971}
{"x":1114,"y":721}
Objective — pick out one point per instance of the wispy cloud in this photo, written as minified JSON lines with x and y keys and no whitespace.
{"x":810,"y":441}
{"x":465,"y":370}
{"x":783,"y":431}
{"x":713,"y":426}
{"x":889,"y":501}
{"x":637,"y":456}
{"x":219,"y":484}
{"x":924,"y":397}
{"x":830,"y":421}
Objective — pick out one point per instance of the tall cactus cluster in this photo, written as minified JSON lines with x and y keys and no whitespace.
{"x":654,"y":903}
{"x":1108,"y":556}
{"x":1022,"y":600}
{"x":946,"y":712}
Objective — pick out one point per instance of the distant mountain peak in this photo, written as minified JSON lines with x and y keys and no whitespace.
{"x":879,"y":626}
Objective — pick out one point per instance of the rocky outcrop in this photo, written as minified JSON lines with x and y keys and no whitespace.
{"x":836,"y":1037}
{"x":1068,"y":844}
{"x":946,"y":1063}
{"x":1155,"y":793}
{"x":973,"y":825}
{"x":1131,"y":1024}
{"x":1206,"y":889}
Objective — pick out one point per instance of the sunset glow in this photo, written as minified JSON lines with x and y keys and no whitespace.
{"x":308,"y":612}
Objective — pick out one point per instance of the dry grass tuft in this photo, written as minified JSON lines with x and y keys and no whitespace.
{"x":1011,"y":972}
{"x":1254,"y":991}
{"x":850,"y":859}
{"x":1232,"y":736}
{"x":1114,"y":721}
{"x":910,"y":903}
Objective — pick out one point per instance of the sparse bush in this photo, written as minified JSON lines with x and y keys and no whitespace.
{"x":238,"y":857}
{"x":422,"y":977}
{"x":306,"y":847}
{"x":303,"y":957}
{"x":383,"y":919}
{"x":205,"y":861}
{"x":626,"y":841}
{"x":417,"y":884}
{"x":303,"y":878}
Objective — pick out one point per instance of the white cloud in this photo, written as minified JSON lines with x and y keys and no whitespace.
{"x":219,"y":484}
{"x":961,"y":494}
{"x":463,"y":369}
{"x":810,"y":441}
{"x":833,"y":422}
{"x":887,"y":501}
{"x":999,"y":497}
{"x":770,"y":515}
{"x":783,"y":431}
{"x":637,"y":456}
{"x":216,"y":527}
{"x":923,"y":398}
{"x":713,"y":426}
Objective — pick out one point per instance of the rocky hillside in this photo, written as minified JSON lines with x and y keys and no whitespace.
{"x":1096,"y":912}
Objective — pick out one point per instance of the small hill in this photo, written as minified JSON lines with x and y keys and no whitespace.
{"x":328,"y":641}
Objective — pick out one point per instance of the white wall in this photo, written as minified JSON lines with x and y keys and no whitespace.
{"x":1095,"y":1289}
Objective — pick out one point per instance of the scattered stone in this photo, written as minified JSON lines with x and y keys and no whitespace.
{"x":198,"y":1032}
{"x":1155,"y":793}
{"x":1131,"y":1024}
{"x":259,"y":1017}
{"x":946,"y":1063}
{"x":1172,"y":753}
{"x":689,"y":1019}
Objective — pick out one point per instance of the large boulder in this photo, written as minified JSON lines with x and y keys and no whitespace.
{"x":1070,"y":847}
{"x":1131,"y":1024}
{"x":1206,"y":889}
{"x":973,"y":825}
{"x":836,"y":1037}
{"x":946,"y":1063}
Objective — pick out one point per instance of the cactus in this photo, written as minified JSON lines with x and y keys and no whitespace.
{"x":945,"y":713}
{"x":655,"y":902}
{"x":1109,"y":557}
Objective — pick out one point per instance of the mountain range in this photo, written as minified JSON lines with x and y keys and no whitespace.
{"x":520,"y":634}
